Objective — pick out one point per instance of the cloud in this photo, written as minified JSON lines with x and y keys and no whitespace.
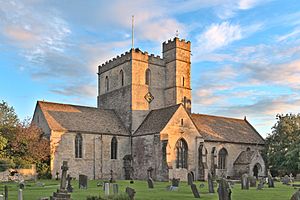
{"x":218,"y":35}
{"x":290,"y":35}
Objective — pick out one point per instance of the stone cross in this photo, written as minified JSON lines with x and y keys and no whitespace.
{"x":224,"y":190}
{"x":63,"y":181}
{"x":210,"y":183}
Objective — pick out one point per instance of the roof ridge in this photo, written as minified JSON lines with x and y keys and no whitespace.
{"x":167,"y":107}
{"x":218,"y":116}
{"x":66,"y":104}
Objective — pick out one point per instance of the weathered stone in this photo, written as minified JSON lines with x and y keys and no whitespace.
{"x":115,"y":187}
{"x":175,"y":182}
{"x":190,"y":178}
{"x":106,"y":189}
{"x":260,"y":184}
{"x":150,"y":183}
{"x":224,"y":190}
{"x":245,"y":182}
{"x":83,"y":180}
{"x":20,"y":194}
{"x":69,"y":186}
{"x":130,"y":192}
{"x":296,"y":196}
{"x":210,"y":184}
{"x":285,"y":180}
{"x":252,"y":181}
{"x":195,"y":191}
{"x":270,"y":181}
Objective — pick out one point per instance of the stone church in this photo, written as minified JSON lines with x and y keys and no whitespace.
{"x":143,"y":125}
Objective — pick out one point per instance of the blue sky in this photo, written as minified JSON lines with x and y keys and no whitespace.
{"x":245,"y":53}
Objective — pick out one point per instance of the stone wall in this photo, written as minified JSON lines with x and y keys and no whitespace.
{"x":96,"y":159}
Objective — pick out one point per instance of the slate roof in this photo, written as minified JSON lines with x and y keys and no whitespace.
{"x":244,"y":158}
{"x":223,"y":129}
{"x":156,"y":120}
{"x":66,"y":117}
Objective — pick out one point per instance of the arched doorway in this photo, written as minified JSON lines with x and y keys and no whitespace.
{"x":256,"y":170}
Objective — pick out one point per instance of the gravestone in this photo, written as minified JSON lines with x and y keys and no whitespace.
{"x":44,"y":198}
{"x":69,"y":186}
{"x":291,"y":177}
{"x":150,"y":183}
{"x":189,"y":178}
{"x":175,"y":182}
{"x":224,"y":190}
{"x":195,"y":191}
{"x":106,"y":189}
{"x":115,"y":188}
{"x":296,"y":196}
{"x":260,"y":184}
{"x":149,"y":172}
{"x":57,"y":174}
{"x":83,"y":181}
{"x":252,"y":181}
{"x":62,"y":193}
{"x":130,"y":192}
{"x":210,"y":183}
{"x":1,"y":197}
{"x":22,"y":185}
{"x":20,"y":194}
{"x":285,"y":180}
{"x":270,"y":181}
{"x":297,"y":177}
{"x":112,"y":180}
{"x":5,"y":192}
{"x":245,"y":182}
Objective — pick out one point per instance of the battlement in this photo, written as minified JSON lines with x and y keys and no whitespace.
{"x":176,"y":43}
{"x":136,"y":54}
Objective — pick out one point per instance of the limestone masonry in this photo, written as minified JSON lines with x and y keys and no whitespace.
{"x":143,"y":125}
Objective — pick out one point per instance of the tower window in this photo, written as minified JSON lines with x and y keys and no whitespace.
{"x":181,"y":154}
{"x":122,"y":77}
{"x":181,"y":122}
{"x":78,"y":146}
{"x":114,"y":148}
{"x":106,"y":84}
{"x":148,"y":77}
{"x":183,"y":81}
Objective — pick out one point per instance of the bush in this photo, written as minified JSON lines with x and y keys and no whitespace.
{"x":43,"y":170}
{"x":6,"y":164}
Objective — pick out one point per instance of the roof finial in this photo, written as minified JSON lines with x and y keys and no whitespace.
{"x":245,"y":118}
{"x":177,"y":33}
{"x":132,"y":32}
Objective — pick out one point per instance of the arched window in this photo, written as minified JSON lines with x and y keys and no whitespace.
{"x":106,"y":84}
{"x":78,"y":146}
{"x":248,"y":149}
{"x":114,"y":148}
{"x":122,"y":77}
{"x":222,"y":158}
{"x":181,"y":154}
{"x":148,"y":77}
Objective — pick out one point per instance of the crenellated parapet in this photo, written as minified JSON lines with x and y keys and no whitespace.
{"x":176,"y":43}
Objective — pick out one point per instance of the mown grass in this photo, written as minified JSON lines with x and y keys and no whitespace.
{"x":33,"y":192}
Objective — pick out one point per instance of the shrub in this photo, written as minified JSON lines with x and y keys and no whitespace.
{"x":6,"y":164}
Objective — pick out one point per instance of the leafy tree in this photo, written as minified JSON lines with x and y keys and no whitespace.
{"x":283,"y":145}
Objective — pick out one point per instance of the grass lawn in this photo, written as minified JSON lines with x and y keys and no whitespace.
{"x":33,"y":192}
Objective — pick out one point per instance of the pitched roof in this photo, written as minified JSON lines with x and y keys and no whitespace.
{"x":156,"y":120}
{"x":66,"y":117}
{"x":244,"y":158}
{"x":223,"y":129}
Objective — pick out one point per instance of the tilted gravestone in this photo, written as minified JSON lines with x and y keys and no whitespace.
{"x":189,"y":178}
{"x":252,"y":181}
{"x":224,"y":190}
{"x":83,"y":181}
{"x":270,"y":181}
{"x":286,"y":180}
{"x":62,"y":193}
{"x":210,"y":183}
{"x":150,"y":183}
{"x":195,"y":191}
{"x":245,"y":182}
{"x":296,"y":196}
{"x":115,"y":187}
{"x":175,"y":182}
{"x":130,"y":192}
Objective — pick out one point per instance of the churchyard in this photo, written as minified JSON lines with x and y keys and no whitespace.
{"x":45,"y":188}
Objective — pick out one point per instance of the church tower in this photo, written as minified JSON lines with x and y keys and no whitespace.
{"x":177,"y":57}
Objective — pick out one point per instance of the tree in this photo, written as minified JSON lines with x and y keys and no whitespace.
{"x":283,"y":145}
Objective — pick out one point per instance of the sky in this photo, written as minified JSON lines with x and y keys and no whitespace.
{"x":245,"y":53}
